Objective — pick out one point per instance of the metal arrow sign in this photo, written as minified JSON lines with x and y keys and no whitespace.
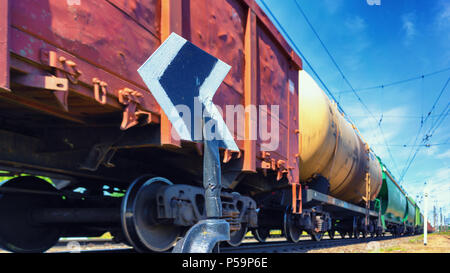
{"x":180,"y":73}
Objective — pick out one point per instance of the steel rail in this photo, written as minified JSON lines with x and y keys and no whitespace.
{"x":269,"y":247}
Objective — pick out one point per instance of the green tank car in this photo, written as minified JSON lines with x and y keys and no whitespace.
{"x":398,"y":214}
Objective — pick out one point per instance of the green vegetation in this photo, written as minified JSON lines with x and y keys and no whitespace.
{"x":5,"y":176}
{"x":391,"y":249}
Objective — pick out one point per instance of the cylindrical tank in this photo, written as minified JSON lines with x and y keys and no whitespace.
{"x":419,"y":218}
{"x":393,"y":201}
{"x":411,"y":213}
{"x":330,"y":146}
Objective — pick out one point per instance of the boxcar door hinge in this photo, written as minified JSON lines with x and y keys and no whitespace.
{"x":61,"y":63}
{"x":228,"y":155}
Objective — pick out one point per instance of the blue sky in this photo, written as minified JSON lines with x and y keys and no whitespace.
{"x":376,"y":45}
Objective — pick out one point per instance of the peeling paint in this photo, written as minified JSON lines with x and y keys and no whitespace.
{"x":73,"y":2}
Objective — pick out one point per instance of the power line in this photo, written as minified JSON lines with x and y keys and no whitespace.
{"x":431,"y":131}
{"x":439,"y":122}
{"x":347,"y":81}
{"x":381,"y":86}
{"x":421,"y":145}
{"x":302,"y":56}
{"x":401,"y":116}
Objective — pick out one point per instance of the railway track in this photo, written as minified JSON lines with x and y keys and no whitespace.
{"x":302,"y":246}
{"x":249,"y":247}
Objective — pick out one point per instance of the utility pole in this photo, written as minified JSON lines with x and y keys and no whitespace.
{"x":434,"y":216}
{"x":425,"y":214}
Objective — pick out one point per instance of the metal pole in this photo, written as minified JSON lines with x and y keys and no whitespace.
{"x":204,"y":236}
{"x":212,"y":179}
{"x":425,"y":214}
{"x":434,"y":216}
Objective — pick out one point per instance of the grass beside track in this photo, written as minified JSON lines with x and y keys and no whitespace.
{"x":437,"y":243}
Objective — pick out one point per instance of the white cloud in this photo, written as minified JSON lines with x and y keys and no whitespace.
{"x":441,"y":28}
{"x":355,"y":24}
{"x":409,"y":27}
{"x":445,"y":154}
{"x":443,"y":17}
{"x":431,"y":151}
{"x":355,"y":28}
{"x":438,"y":187}
{"x":332,"y":6}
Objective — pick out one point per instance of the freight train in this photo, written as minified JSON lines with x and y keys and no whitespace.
{"x":73,"y":108}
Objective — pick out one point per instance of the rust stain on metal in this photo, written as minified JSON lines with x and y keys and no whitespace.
{"x":100,"y":86}
{"x":171,"y":21}
{"x":131,"y":98}
{"x":4,"y":45}
{"x":109,"y":40}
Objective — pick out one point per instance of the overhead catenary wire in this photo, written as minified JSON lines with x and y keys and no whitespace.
{"x":440,"y":120}
{"x":432,"y":129}
{"x":293,"y":44}
{"x":381,"y":86}
{"x":347,"y":82}
{"x":377,"y":120}
{"x":400,"y":116}
{"x":421,"y":145}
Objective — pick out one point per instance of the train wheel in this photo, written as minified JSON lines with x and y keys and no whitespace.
{"x":291,"y":231}
{"x":18,"y":232}
{"x":364,"y":234}
{"x":316,"y":236}
{"x":237,"y":236}
{"x":139,"y":216}
{"x":331,"y":234}
{"x":261,"y":234}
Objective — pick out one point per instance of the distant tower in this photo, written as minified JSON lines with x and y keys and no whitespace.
{"x":425,"y":214}
{"x":434,"y":216}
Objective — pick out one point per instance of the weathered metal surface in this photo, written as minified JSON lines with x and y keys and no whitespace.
{"x":393,"y":201}
{"x":312,"y":195}
{"x":250,"y":89}
{"x":219,"y":30}
{"x":43,"y":82}
{"x":130,"y":98}
{"x":171,"y":21}
{"x":272,"y":91}
{"x":203,"y":237}
{"x":411,"y":213}
{"x":4,"y":45}
{"x":145,"y":13}
{"x":418,"y":221}
{"x":29,"y":47}
{"x":293,"y":128}
{"x":270,"y":28}
{"x":85,"y":28}
{"x":332,"y":148}
{"x":108,"y":41}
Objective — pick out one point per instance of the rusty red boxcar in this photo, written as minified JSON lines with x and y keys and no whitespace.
{"x":73,"y":107}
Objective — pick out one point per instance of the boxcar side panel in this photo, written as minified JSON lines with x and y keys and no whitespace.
{"x":95,"y":31}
